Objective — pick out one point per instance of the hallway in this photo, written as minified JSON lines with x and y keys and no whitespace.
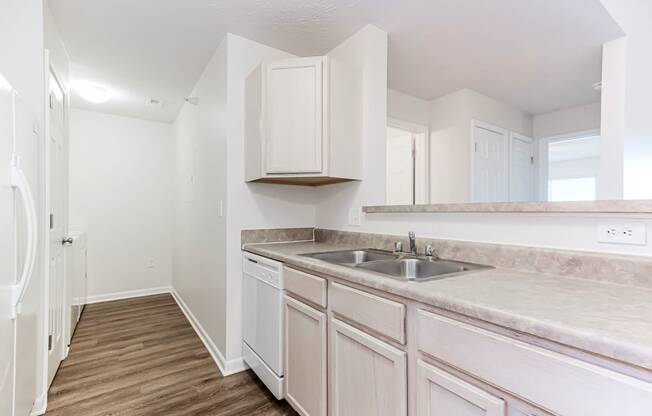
{"x":139,"y":357}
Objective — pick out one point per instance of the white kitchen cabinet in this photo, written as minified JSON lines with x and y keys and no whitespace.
{"x":440,"y":393}
{"x":368,"y":377}
{"x":305,"y":358}
{"x":303,"y":122}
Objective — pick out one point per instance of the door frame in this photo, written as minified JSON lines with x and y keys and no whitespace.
{"x":50,"y":70}
{"x":423,"y":188}
{"x":491,"y":127}
{"x":543,"y":145}
{"x":533,"y":166}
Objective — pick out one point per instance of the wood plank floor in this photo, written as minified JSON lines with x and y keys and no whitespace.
{"x":141,"y":357}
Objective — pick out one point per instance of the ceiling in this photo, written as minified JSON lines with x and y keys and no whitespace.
{"x":538,"y":55}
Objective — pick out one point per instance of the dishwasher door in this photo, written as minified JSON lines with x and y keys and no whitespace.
{"x":262,"y":302}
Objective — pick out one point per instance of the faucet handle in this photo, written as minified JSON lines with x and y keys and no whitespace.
{"x":411,"y":234}
{"x":398,"y":247}
{"x":429,"y":250}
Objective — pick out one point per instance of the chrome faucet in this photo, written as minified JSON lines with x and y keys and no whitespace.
{"x":413,"y":243}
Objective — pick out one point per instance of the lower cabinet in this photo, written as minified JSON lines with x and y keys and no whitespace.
{"x":440,"y":393}
{"x":368,"y":376}
{"x":305,"y":358}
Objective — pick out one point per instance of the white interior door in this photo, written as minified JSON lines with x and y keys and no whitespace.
{"x":57,"y":204}
{"x":521,"y":168}
{"x":490,"y":181}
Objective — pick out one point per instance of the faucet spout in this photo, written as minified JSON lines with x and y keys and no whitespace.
{"x":413,"y":243}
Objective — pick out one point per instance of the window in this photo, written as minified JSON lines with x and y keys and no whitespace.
{"x":576,"y":189}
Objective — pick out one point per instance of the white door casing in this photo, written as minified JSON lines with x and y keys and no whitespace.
{"x":489,"y":179}
{"x":521,"y":168}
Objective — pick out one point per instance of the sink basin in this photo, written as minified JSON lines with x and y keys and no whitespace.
{"x":351,"y":257}
{"x":420,"y":268}
{"x":404,"y":267}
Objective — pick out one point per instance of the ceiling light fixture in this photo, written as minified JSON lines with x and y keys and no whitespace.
{"x":93,"y":93}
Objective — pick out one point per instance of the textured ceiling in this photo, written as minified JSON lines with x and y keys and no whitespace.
{"x":538,"y":55}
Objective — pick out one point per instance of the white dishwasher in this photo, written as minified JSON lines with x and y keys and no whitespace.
{"x":262,"y":332}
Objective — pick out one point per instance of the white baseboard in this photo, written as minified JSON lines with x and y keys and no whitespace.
{"x":226,"y":367}
{"x":40,"y":405}
{"x":128,"y":294}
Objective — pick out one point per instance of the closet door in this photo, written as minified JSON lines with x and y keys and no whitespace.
{"x":294,"y":110}
{"x":440,"y":393}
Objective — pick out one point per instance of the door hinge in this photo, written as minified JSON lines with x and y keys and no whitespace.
{"x":49,"y":342}
{"x":475,"y":147}
{"x":51,"y":101}
{"x":52,"y":221}
{"x":531,"y":160}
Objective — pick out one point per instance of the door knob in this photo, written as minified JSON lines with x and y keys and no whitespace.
{"x":68,"y":241}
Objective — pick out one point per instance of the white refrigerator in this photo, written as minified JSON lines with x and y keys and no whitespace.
{"x":20,"y":294}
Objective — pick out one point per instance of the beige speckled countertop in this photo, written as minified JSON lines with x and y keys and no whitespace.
{"x":611,"y":320}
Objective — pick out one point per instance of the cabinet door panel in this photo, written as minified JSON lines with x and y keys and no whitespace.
{"x":305,"y":358}
{"x":294,"y":109}
{"x":368,"y":376}
{"x":442,"y":394}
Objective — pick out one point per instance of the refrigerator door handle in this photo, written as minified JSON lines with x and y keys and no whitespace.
{"x":21,"y":184}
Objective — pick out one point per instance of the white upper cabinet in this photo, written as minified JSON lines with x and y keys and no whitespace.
{"x":303,"y":122}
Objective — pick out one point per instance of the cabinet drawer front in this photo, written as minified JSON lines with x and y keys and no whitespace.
{"x":561,"y":384}
{"x":379,"y":314}
{"x":307,"y":286}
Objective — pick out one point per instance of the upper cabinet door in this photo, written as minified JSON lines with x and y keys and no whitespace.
{"x":442,"y":394}
{"x":294,"y":110}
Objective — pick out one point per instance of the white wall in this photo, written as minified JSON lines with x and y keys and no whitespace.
{"x":367,"y":49}
{"x":199,"y":246}
{"x":612,"y":127}
{"x":251,"y":205}
{"x":210,"y":150}
{"x":634,"y":18}
{"x":450,"y":129}
{"x":566,"y":121}
{"x":121,"y":194}
{"x":404,"y":107}
{"x":489,"y":110}
{"x":450,"y":139}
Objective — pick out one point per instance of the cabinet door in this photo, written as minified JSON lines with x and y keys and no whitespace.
{"x":441,"y":394}
{"x":368,"y":376}
{"x":294,"y":116}
{"x":305,"y":358}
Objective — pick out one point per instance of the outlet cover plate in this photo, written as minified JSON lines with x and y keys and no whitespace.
{"x":622,"y":233}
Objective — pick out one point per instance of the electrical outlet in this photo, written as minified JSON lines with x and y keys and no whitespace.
{"x":622,"y":233}
{"x":355,"y":217}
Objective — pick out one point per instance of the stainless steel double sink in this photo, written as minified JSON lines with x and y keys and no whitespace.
{"x":399,"y":266}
